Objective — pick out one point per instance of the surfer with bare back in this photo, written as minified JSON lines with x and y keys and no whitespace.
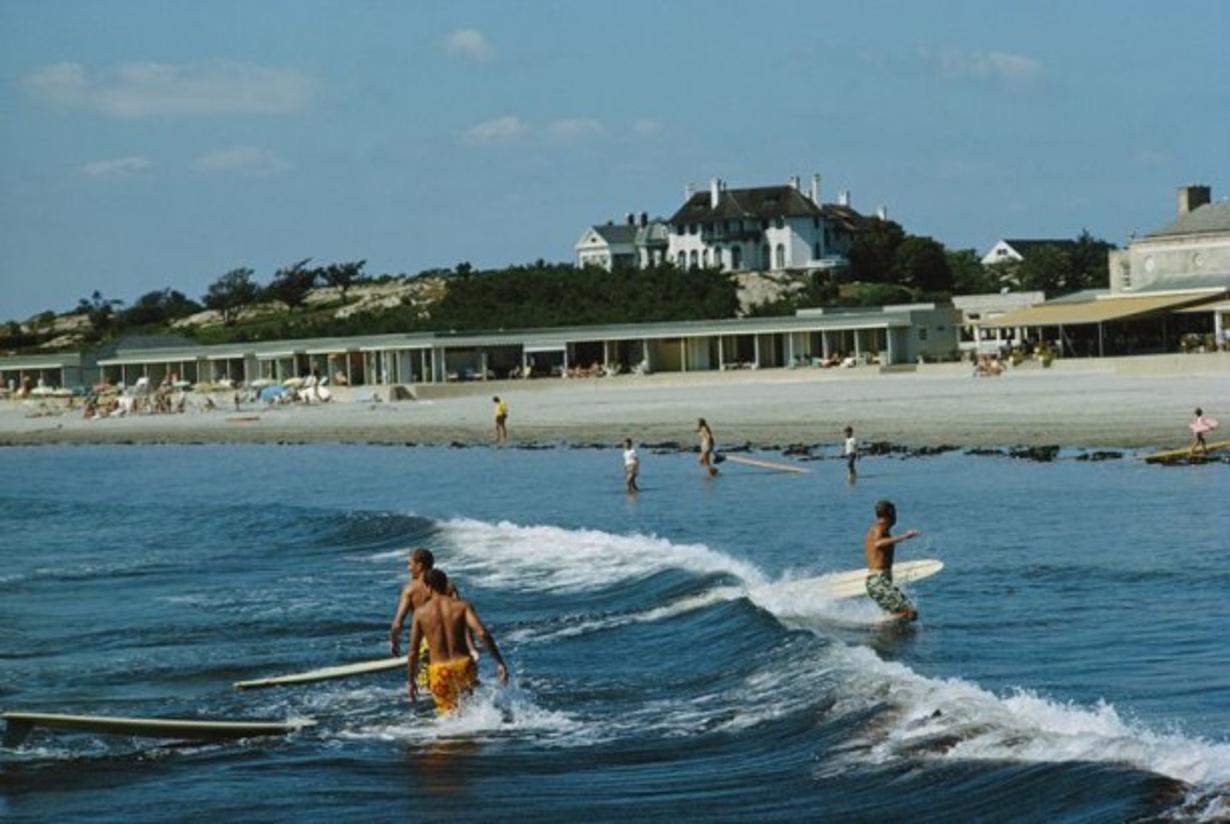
{"x":878,"y":545}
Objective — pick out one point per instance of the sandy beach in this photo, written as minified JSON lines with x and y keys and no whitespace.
{"x":1130,"y":402}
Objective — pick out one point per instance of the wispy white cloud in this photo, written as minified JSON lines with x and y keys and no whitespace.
{"x":645,"y":128}
{"x":241,"y":159}
{"x":468,"y":43}
{"x":501,"y":129}
{"x":571,"y":129}
{"x":117,"y":167}
{"x":1015,"y":70}
{"x":134,"y":90}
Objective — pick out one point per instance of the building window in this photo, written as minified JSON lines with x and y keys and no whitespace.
{"x":781,"y":255}
{"x":706,"y":258}
{"x":694,"y":259}
{"x":816,"y":251}
{"x":922,"y":333}
{"x":780,"y":223}
{"x":681,"y":260}
{"x":764,"y":256}
{"x":736,"y":257}
{"x":691,"y":228}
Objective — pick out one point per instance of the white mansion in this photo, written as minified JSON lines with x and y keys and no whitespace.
{"x":768,"y":228}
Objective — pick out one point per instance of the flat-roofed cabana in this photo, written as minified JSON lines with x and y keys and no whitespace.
{"x":54,"y":370}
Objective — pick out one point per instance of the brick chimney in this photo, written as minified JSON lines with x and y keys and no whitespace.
{"x":1193,"y":197}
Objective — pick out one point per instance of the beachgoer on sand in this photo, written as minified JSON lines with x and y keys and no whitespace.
{"x":878,"y":546}
{"x":442,"y":623}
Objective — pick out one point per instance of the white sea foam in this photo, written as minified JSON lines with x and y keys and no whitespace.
{"x":545,"y":558}
{"x":1021,"y":726}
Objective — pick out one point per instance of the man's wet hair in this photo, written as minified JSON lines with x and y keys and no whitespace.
{"x":884,"y":508}
{"x":436,"y":580}
{"x":423,"y":558}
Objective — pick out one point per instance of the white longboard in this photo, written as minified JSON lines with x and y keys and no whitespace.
{"x":19,"y":725}
{"x":325,"y":674}
{"x":850,"y":584}
{"x":760,"y":462}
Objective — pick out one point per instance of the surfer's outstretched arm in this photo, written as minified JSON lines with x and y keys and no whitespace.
{"x":399,"y":620}
{"x":476,"y":626}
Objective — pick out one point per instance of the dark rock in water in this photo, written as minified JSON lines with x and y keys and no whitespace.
{"x":983,"y":450}
{"x":884,"y":448}
{"x":663,"y":446}
{"x":1100,"y":455}
{"x":531,"y":445}
{"x":743,"y":447}
{"x":925,"y":451}
{"x":411,"y":443}
{"x":1042,"y":454}
{"x":588,"y":446}
{"x":797,"y":450}
{"x":458,"y":445}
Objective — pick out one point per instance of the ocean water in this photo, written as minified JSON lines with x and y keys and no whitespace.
{"x":1071,"y":661}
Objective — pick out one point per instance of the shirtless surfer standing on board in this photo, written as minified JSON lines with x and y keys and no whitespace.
{"x":442,"y":623}
{"x":878,"y":545}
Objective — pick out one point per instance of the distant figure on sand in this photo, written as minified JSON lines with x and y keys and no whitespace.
{"x":707,"y":446}
{"x":878,"y":546}
{"x":851,"y":453}
{"x":1200,"y":425}
{"x":442,"y":622}
{"x":632,"y":466}
{"x":501,"y":420}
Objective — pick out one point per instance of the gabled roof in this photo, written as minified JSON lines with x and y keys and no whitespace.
{"x":616,"y":232}
{"x":1024,"y":247}
{"x":762,"y":203}
{"x":1211,"y":217}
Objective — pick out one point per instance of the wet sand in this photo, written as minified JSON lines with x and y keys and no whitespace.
{"x":1134,"y":403}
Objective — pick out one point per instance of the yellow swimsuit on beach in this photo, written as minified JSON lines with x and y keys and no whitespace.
{"x":449,"y":680}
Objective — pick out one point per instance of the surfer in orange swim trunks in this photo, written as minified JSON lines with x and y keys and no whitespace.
{"x":442,"y":622}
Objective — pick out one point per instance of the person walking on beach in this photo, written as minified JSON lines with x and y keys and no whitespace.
{"x":501,"y":420}
{"x":851,"y":454}
{"x":878,"y":546}
{"x":442,"y":623}
{"x":1200,"y":425}
{"x":707,"y":446}
{"x":632,"y":466}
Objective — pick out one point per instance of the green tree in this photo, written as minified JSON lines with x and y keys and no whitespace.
{"x":1090,"y":265}
{"x":292,"y":284}
{"x":342,"y":276}
{"x":920,"y":262}
{"x":873,"y":255}
{"x":1046,"y":268}
{"x":231,"y":294}
{"x":969,"y":276}
{"x":159,"y":306}
{"x":99,"y":311}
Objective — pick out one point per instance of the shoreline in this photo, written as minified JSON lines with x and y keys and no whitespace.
{"x":1082,"y":405}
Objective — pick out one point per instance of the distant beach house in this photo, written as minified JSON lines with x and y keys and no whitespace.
{"x":1015,"y":251}
{"x":638,"y":241}
{"x":767,"y":228}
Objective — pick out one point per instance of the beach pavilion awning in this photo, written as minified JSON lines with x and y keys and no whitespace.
{"x":541,"y":346}
{"x":1096,"y":311}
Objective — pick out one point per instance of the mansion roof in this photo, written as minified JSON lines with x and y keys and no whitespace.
{"x":1211,"y":217}
{"x":762,"y":203}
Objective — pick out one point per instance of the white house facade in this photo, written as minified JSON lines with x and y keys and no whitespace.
{"x":609,"y":246}
{"x":764,"y":228}
{"x":1194,"y":247}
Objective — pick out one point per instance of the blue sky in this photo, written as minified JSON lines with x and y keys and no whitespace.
{"x":159,"y":144}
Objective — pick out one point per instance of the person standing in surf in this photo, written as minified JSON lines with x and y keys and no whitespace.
{"x":1200,"y":425}
{"x":878,"y":546}
{"x":851,"y":454}
{"x":501,"y":420}
{"x":707,"y":446}
{"x":442,"y":624}
{"x":632,"y":467}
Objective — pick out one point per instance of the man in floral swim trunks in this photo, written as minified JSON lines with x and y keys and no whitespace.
{"x":878,"y":546}
{"x":443,"y":622}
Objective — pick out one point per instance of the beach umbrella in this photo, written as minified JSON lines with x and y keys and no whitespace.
{"x":271,"y":393}
{"x":293,"y":382}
